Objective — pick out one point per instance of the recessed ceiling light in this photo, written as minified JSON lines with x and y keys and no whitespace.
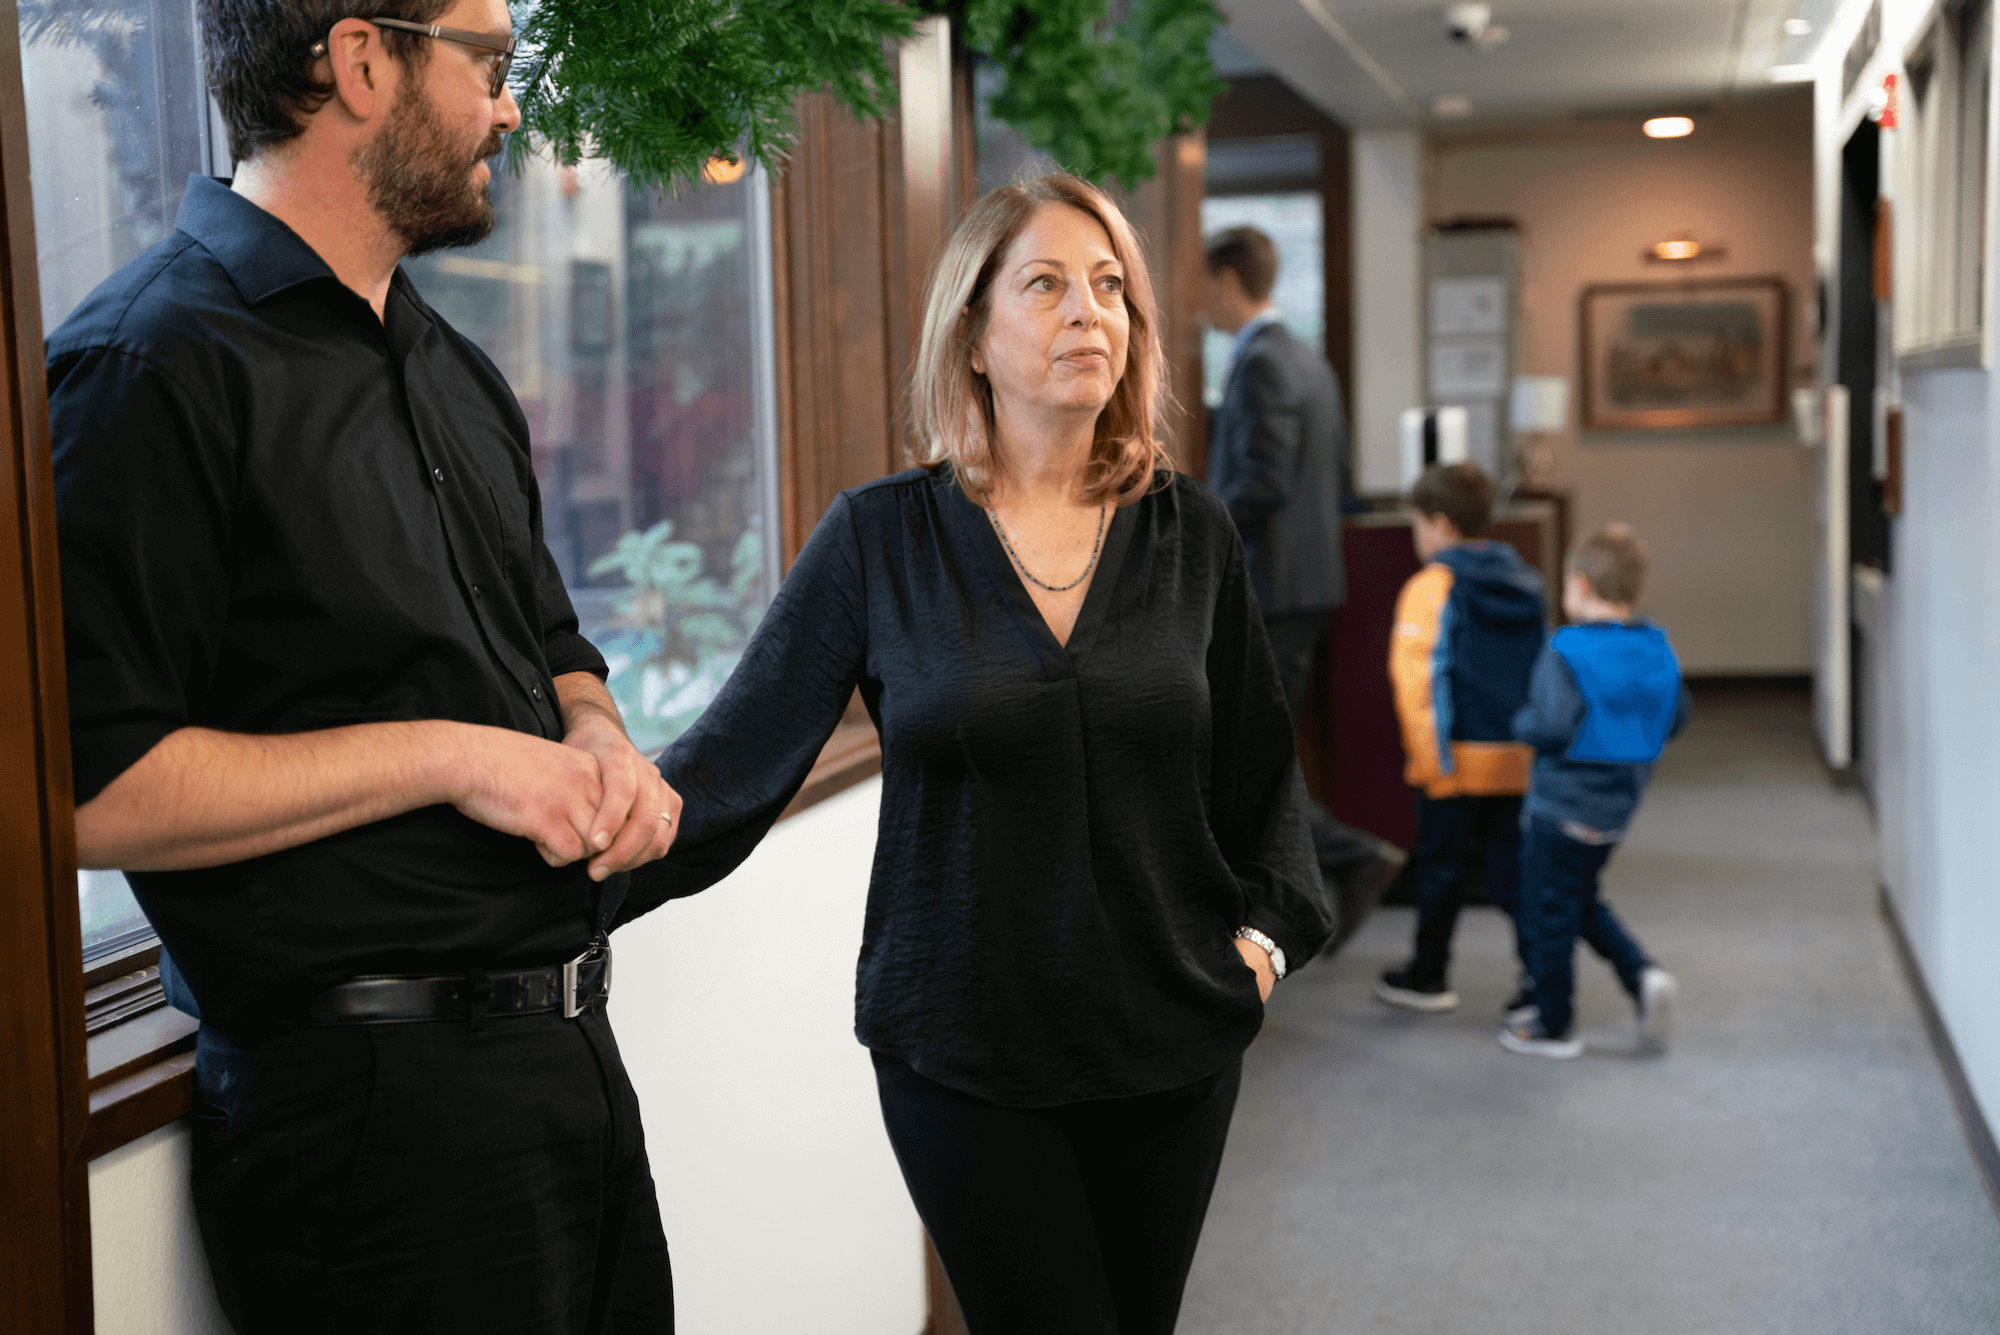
{"x":1791,"y":73}
{"x":1667,"y":127}
{"x":1451,"y":106}
{"x":1798,"y":27}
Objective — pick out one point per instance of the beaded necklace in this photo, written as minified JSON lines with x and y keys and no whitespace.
{"x":993,"y":513}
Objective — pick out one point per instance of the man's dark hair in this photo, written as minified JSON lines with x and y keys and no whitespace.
{"x":1461,"y":493}
{"x":1247,"y":253}
{"x":1612,"y":562}
{"x":260,"y":61}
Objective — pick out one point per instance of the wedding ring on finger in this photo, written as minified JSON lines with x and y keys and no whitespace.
{"x":667,"y":816}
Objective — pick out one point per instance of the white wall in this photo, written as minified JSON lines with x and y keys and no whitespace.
{"x":1933,"y":714}
{"x":784,"y":1208}
{"x":1388,"y":263}
{"x":1937,"y":783}
{"x":150,"y":1276}
{"x":1728,"y":514}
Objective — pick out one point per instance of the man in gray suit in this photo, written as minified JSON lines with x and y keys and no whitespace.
{"x":1279,"y":458}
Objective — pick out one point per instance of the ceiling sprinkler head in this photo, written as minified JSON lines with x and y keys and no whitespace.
{"x":1467,"y":22}
{"x":1473,"y":23}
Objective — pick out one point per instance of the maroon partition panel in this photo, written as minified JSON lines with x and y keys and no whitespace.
{"x":1364,"y":779}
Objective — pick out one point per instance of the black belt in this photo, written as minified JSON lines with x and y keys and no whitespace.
{"x":571,"y":988}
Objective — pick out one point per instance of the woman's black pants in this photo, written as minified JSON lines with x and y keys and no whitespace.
{"x":1080,"y":1219}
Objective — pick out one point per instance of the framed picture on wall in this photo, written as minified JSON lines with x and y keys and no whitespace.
{"x":1701,"y":353}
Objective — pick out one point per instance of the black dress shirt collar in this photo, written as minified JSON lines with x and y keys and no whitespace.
{"x":265,"y":258}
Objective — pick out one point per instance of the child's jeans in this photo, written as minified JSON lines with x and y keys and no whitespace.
{"x":1446,"y":827}
{"x":1559,"y":903}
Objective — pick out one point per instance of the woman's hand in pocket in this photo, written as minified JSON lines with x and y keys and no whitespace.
{"x":1260,"y":963}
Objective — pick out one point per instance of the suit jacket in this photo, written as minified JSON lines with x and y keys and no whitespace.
{"x":1279,"y":458}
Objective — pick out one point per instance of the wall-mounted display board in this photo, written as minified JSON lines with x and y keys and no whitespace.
{"x":1684,"y":355}
{"x":1472,"y":275}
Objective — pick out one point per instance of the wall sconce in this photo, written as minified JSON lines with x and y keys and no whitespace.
{"x":722,"y":171}
{"x":1668,"y":127}
{"x":1682,"y":246}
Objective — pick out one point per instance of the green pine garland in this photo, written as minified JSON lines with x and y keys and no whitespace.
{"x":1092,"y":94}
{"x":658,"y":87}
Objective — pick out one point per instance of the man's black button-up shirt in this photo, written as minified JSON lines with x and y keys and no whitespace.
{"x":277,"y":514}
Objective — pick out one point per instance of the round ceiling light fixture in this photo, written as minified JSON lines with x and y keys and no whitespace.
{"x":1667,"y":127}
{"x":719,"y":170}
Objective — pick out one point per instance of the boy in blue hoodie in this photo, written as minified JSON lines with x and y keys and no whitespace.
{"x":1605,"y":696}
{"x":1468,"y":627}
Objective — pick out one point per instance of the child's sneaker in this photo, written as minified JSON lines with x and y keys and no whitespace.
{"x":1656,"y":1007}
{"x":1531,"y":1040}
{"x":1402,"y":987}
{"x":1520,"y":1008}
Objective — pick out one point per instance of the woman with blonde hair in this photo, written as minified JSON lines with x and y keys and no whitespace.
{"x":1093,"y":860}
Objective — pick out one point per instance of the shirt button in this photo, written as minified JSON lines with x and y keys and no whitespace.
{"x":437,"y":475}
{"x":535,"y":691}
{"x":476,"y":593}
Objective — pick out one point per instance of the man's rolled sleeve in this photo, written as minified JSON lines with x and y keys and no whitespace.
{"x":563,"y":646}
{"x":144,"y":478}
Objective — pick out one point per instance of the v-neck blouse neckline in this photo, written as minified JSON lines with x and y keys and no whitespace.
{"x":1061,"y":658}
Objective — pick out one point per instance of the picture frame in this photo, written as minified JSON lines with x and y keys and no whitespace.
{"x":1684,"y":355}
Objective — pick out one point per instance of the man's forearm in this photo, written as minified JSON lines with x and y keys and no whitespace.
{"x":586,"y":703}
{"x":202,"y":798}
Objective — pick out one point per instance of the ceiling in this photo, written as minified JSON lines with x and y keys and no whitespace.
{"x":1380,"y":63}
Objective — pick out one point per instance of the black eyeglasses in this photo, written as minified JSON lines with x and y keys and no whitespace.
{"x":501,"y":47}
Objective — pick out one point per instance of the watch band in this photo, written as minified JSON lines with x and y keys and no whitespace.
{"x":1257,"y":938}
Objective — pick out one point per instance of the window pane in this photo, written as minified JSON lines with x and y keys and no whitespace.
{"x":117,"y":119}
{"x":1294,"y":224}
{"x":635,"y":329}
{"x":111,"y":917}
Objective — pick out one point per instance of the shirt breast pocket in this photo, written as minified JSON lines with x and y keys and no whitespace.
{"x":510,"y":513}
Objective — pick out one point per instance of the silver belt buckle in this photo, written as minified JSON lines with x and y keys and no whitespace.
{"x":573,"y":972}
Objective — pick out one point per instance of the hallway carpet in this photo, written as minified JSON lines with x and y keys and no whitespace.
{"x":1792,"y":1165}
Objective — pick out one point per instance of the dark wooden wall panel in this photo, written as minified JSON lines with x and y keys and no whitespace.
{"x":1166,"y":211}
{"x":44,"y":1183}
{"x":854,"y":247}
{"x":832,"y":325}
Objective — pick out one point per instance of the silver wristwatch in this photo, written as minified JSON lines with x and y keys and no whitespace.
{"x":1257,"y":938}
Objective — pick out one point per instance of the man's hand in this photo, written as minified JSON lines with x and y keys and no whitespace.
{"x":637,"y":814}
{"x":1259,"y":961}
{"x":543,"y":791}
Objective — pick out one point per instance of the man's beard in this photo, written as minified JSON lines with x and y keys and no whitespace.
{"x":421,"y":181}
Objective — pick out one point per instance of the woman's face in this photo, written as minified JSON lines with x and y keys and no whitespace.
{"x":1058,"y":328}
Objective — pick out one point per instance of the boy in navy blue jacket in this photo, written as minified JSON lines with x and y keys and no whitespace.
{"x":1605,"y":696}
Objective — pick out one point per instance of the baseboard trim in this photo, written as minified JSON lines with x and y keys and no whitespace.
{"x":1978,"y":1135}
{"x":1749,"y":683}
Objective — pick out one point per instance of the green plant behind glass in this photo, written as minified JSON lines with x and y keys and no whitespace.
{"x":679,"y":632}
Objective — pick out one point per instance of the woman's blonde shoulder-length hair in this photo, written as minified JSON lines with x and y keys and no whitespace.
{"x":951,"y":405}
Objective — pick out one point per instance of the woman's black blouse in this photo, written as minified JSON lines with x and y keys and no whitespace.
{"x":1070,"y":836}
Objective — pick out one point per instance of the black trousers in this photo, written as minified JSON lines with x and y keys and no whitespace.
{"x":1079,"y":1219}
{"x":428,"y":1178}
{"x":1446,"y":827}
{"x":1296,"y":639}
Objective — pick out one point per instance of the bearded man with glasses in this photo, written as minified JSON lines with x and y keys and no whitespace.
{"x":331,"y":713}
